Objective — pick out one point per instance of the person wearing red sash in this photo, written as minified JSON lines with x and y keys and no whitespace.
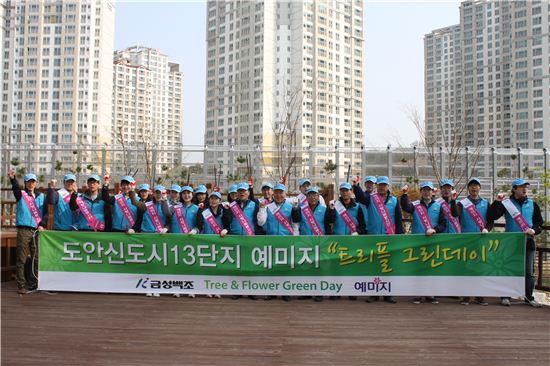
{"x":522,"y":214}
{"x":93,"y":212}
{"x":154,"y":211}
{"x":447,"y":200}
{"x":214,"y":211}
{"x":472,"y":212}
{"x":384,"y":217}
{"x":428,"y":218}
{"x":63,"y":218}
{"x":360,"y":195}
{"x":174,"y":198}
{"x":31,"y":216}
{"x":143,"y":195}
{"x":124,"y":214}
{"x":201,"y":196}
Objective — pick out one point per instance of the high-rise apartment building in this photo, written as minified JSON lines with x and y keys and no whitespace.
{"x":57,"y":74}
{"x":147,"y":101}
{"x":488,"y":78}
{"x":293,"y":66}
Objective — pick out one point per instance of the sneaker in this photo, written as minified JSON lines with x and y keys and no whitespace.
{"x":253,"y":297}
{"x":317,"y":298}
{"x":269,"y":298}
{"x":217,"y":296}
{"x":481,"y":301}
{"x":156,"y":294}
{"x":22,"y":291}
{"x":417,"y":300}
{"x":432,"y":300}
{"x":176,"y":295}
{"x":191,"y":296}
{"x":372,"y":299}
{"x":533,"y":303}
{"x":465,"y":301}
{"x":390,"y":299}
{"x":505,"y":302}
{"x":235,"y":297}
{"x":286,"y":298}
{"x":149,"y":294}
{"x":209,"y":296}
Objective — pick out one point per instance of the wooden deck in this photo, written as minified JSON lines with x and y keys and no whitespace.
{"x":113,"y":329}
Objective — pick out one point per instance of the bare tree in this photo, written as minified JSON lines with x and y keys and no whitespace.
{"x":453,"y":148}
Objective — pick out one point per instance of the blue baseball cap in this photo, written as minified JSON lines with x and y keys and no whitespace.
{"x":201,"y":189}
{"x":159,"y":188}
{"x":29,"y":176}
{"x":426,"y":184}
{"x":233,"y":188}
{"x":474,"y":181}
{"x":242,"y":185}
{"x":69,"y":176}
{"x":93,"y":177}
{"x":279,"y":187}
{"x":175,"y":188}
{"x":187,"y":188}
{"x":312,"y":190}
{"x":127,"y":178}
{"x":382,"y":180}
{"x":303,"y":181}
{"x":345,"y":185}
{"x":143,"y":187}
{"x":267,"y":184}
{"x":446,"y":182}
{"x":519,"y":182}
{"x":215,"y":194}
{"x":370,"y":178}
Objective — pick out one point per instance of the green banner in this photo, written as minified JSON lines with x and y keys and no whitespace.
{"x":499,"y":254}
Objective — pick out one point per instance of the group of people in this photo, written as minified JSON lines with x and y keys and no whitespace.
{"x":368,"y":209}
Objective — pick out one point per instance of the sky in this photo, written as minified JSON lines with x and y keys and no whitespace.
{"x":394,"y":57}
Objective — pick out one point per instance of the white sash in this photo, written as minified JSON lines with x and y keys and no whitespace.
{"x":516,"y":215}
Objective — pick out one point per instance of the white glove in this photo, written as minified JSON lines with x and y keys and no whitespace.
{"x":430,"y":232}
{"x":193,"y":231}
{"x":500,"y":197}
{"x":530,"y":232}
{"x":163,"y":230}
{"x":484,"y":231}
{"x":225,"y":205}
{"x":223,"y":233}
{"x":355,"y":233}
{"x":130,"y":231}
{"x":405,"y":188}
{"x":40,"y":228}
{"x":331,"y":204}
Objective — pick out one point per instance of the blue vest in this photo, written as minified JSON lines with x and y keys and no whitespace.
{"x":64,"y":217}
{"x":449,"y":229}
{"x":319,"y":214}
{"x":98,"y":210}
{"x":190,"y":214}
{"x":207,"y":229}
{"x":527,"y":210}
{"x":433,"y":213}
{"x":467,"y":223}
{"x":272,"y":225}
{"x":119,"y":221}
{"x":375,"y":224}
{"x":147,"y":225}
{"x":23,"y":216}
{"x":340,"y":227}
{"x":248,"y":211}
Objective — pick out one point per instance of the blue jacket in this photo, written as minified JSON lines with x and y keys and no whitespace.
{"x":466,"y":222}
{"x":97,"y":207}
{"x":147,"y":225}
{"x":319,"y":212}
{"x":357,"y":212}
{"x":250,"y":211}
{"x":272,"y":226}
{"x":375,"y":224}
{"x":437,"y":217}
{"x":23,"y":217}
{"x":190,"y":213}
{"x":64,"y":217}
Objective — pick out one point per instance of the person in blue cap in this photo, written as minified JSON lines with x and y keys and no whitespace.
{"x":437,"y":222}
{"x":216,"y":210}
{"x":320,"y":213}
{"x":174,"y":197}
{"x":375,"y":223}
{"x":161,"y":208}
{"x":479,"y":206}
{"x":354,"y":209}
{"x":189,"y":213}
{"x":267,"y":192}
{"x":361,"y":195}
{"x":123,"y":220}
{"x":201,"y":196}
{"x":28,"y":220}
{"x":303,"y":185}
{"x":232,"y":193}
{"x":448,"y":197}
{"x":99,"y":209}
{"x":291,"y":213}
{"x":143,"y":195}
{"x":63,"y":218}
{"x":525,"y":208}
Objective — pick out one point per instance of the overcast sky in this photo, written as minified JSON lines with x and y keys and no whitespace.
{"x":394,"y":57}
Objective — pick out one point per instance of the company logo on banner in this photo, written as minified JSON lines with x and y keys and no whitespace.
{"x":401,"y":265}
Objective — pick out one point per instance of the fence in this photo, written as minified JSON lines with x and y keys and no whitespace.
{"x":224,"y":165}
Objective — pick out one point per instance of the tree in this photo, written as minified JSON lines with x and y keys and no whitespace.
{"x":330,"y":167}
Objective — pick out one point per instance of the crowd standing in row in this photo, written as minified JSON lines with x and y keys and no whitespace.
{"x":371,"y":210}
